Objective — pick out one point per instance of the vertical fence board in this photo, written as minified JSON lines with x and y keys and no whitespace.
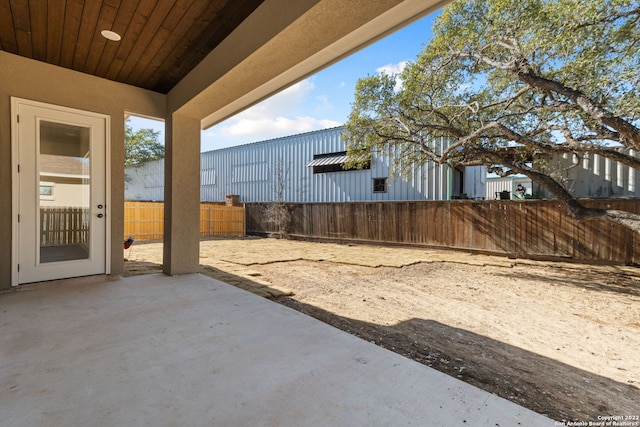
{"x":63,"y":226}
{"x":221,"y":221}
{"x":520,"y":228}
{"x":145,"y":220}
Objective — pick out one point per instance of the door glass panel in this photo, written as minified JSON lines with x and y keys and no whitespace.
{"x":64,"y":196}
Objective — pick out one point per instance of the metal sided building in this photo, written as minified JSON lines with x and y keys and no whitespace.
{"x":593,"y":176}
{"x":496,"y":185}
{"x":309,"y":168}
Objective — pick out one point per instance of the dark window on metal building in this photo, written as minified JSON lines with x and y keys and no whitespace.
{"x":379,"y":185}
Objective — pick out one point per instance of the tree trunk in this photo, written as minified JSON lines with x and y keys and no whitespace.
{"x":575,"y":209}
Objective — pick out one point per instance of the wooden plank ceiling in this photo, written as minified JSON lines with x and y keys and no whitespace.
{"x":162,"y":40}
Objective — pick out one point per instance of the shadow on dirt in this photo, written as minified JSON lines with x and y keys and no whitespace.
{"x":562,"y":393}
{"x":619,"y":283}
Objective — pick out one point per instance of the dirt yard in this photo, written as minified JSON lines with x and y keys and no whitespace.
{"x":560,"y":339}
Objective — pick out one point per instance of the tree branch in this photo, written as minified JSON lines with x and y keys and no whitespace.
{"x":625,"y":128}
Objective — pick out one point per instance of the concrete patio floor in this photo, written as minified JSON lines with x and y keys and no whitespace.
{"x":193,"y":351}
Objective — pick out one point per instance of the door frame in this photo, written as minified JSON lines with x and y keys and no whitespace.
{"x":15,"y":179}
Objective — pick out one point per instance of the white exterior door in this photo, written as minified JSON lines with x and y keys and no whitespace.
{"x":60,"y":192}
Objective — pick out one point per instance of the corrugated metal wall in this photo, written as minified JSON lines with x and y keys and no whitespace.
{"x":145,"y":182}
{"x":496,"y":185}
{"x":251,"y":171}
{"x":595,"y":176}
{"x":590,"y":176}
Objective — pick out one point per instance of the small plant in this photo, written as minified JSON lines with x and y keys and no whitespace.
{"x":277,"y":212}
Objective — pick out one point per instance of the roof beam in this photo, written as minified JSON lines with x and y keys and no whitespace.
{"x":279,"y":45}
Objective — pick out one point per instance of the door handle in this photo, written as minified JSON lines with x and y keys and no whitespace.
{"x":100,"y":215}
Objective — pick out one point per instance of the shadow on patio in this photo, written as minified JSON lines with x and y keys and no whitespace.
{"x":190,"y":350}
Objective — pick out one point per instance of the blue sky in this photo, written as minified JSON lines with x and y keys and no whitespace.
{"x":318,"y":102}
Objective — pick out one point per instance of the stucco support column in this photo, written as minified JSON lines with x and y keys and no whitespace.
{"x":181,"y":253}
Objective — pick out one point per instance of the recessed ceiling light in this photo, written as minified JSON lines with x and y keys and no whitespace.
{"x":110,"y":35}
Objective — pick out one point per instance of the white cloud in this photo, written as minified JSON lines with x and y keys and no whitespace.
{"x":393,"y":70}
{"x":275,"y":117}
{"x":281,"y":104}
{"x":271,"y":127}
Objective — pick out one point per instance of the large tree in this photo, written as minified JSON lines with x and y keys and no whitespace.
{"x":508,"y":84}
{"x":140,"y":146}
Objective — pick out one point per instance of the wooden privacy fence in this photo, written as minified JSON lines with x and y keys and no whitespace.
{"x":63,"y":225}
{"x":530,"y":228}
{"x":145,"y":220}
{"x":221,"y":220}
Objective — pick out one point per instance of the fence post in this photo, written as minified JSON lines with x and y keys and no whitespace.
{"x":244,"y":219}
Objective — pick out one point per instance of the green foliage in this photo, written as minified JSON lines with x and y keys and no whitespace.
{"x":503,"y":82}
{"x":141,"y":146}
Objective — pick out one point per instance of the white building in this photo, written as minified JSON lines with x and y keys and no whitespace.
{"x":587,"y":175}
{"x":593,"y":176}
{"x":64,"y":181}
{"x":308,"y":168}
{"x":497,"y":185}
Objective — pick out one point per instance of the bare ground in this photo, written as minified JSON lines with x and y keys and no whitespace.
{"x":560,"y":339}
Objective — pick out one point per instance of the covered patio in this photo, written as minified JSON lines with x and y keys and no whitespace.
{"x":177,"y":349}
{"x":189,"y":63}
{"x":190,"y":350}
